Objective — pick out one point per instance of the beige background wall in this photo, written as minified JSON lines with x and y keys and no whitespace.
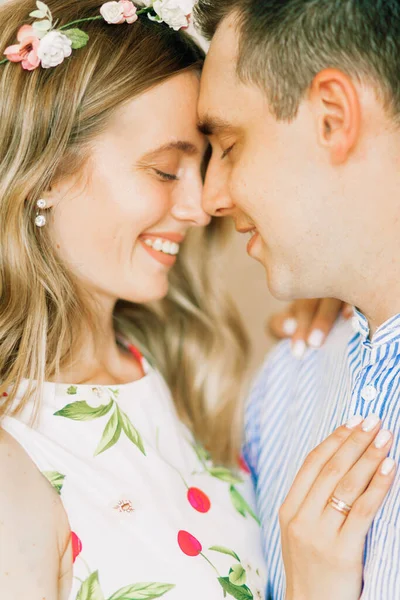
{"x":247,"y":283}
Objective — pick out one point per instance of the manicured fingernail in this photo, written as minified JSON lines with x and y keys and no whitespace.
{"x":387,"y":466}
{"x":299,"y":348}
{"x":370,"y":423}
{"x":289,"y":327}
{"x":316,"y":338}
{"x":382,"y":438}
{"x":354,"y":421}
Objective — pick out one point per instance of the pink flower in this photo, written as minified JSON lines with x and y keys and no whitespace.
{"x":76,"y":546}
{"x":116,"y":13}
{"x":129,"y":10}
{"x":26,"y":52}
{"x":199,"y":500}
{"x":189,"y":544}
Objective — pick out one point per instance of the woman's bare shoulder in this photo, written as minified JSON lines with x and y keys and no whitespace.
{"x":34,"y":530}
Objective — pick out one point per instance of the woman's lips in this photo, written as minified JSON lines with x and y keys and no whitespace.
{"x":165,"y":259}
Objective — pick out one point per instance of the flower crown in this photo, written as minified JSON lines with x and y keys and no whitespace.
{"x":43,"y":44}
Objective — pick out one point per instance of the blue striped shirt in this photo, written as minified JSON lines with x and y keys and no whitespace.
{"x":295,"y":405}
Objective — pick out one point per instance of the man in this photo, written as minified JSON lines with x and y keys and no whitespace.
{"x":301,"y":102}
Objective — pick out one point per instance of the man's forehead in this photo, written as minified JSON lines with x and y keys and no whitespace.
{"x":219,"y":80}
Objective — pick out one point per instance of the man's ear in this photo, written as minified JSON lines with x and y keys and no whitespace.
{"x":335,"y":102}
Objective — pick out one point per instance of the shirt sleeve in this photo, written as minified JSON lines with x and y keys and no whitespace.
{"x":254,"y":404}
{"x":382,"y":552}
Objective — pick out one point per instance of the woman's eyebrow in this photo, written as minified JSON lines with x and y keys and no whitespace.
{"x":181,"y":145}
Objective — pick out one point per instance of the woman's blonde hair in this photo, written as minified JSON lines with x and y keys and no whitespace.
{"x":48,"y":119}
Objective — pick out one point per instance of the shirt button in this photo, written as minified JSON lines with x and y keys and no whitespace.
{"x":369,"y":393}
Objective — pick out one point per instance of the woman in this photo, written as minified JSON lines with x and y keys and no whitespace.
{"x":106,"y":256}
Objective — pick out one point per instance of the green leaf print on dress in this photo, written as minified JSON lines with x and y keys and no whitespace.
{"x":56,"y":479}
{"x":142,"y":591}
{"x":91,"y":590}
{"x":227,"y":475}
{"x":118,"y":422}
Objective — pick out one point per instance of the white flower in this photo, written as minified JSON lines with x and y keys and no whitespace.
{"x":53,"y":48}
{"x":173,"y":12}
{"x":113,"y":13}
{"x":98,"y":397}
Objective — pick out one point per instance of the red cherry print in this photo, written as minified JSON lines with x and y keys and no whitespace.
{"x":76,"y":546}
{"x":199,"y":500}
{"x":243,"y":465}
{"x":188,"y":544}
{"x":5,"y":394}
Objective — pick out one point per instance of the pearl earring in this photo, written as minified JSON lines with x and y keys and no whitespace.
{"x":40,"y":220}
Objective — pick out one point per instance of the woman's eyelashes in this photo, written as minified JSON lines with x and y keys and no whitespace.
{"x":166,"y":176}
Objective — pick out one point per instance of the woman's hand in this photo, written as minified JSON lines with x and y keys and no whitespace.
{"x":323,"y":547}
{"x":308,"y":322}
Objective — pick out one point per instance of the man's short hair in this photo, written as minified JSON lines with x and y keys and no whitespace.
{"x":284,"y":44}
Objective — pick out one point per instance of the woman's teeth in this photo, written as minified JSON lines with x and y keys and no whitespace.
{"x":164,"y":246}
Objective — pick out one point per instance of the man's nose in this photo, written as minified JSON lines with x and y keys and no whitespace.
{"x":217,"y":201}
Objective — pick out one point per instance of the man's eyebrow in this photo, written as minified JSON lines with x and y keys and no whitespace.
{"x":181,"y":145}
{"x":212,"y":125}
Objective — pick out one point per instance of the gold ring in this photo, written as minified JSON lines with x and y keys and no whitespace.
{"x":339,"y":505}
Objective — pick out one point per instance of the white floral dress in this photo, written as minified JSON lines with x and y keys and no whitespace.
{"x":150,"y":515}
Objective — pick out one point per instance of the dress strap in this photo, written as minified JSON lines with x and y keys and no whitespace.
{"x":137,"y":355}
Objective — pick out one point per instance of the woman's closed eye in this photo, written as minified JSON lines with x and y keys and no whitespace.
{"x":166,"y":176}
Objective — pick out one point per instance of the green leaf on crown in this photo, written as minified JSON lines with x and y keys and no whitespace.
{"x":224,"y":474}
{"x":56,"y":479}
{"x":72,"y":390}
{"x":90,"y":588}
{"x":241,"y":505}
{"x":110,"y":435}
{"x":42,"y":7}
{"x":78,"y":37}
{"x":41,"y":26}
{"x":142,"y":591}
{"x":81,"y":411}
{"x":224,"y":550}
{"x":237,"y":575}
{"x":37,"y":14}
{"x":239,"y":592}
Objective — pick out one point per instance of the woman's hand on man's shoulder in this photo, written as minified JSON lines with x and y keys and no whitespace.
{"x":34,"y":530}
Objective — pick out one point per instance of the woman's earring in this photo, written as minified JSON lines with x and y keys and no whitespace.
{"x":40,"y":220}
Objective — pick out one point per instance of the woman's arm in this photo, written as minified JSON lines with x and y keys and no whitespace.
{"x":322,"y":546}
{"x":34,"y":532}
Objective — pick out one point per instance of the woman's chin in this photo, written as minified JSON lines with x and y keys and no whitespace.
{"x":147,"y":293}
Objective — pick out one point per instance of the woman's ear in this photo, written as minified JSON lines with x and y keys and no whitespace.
{"x":335,"y":103}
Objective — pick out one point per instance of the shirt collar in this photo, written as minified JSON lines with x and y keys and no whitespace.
{"x":387,"y":333}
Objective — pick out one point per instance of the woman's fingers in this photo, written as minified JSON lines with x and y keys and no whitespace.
{"x":354,"y":449}
{"x":324,"y":319}
{"x":282,"y":325}
{"x":364,"y":509}
{"x":313,"y":466}
{"x":304,"y":312}
{"x":306,"y":322}
{"x":358,"y":478}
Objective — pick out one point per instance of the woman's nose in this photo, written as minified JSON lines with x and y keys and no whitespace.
{"x":189,"y":206}
{"x":217,"y":201}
